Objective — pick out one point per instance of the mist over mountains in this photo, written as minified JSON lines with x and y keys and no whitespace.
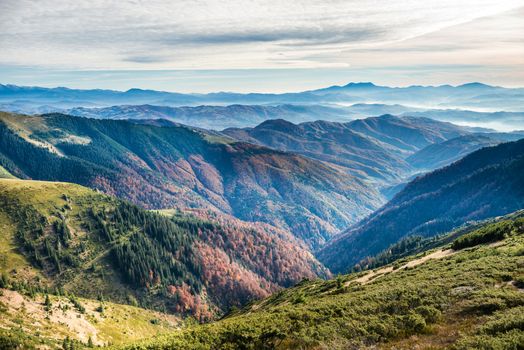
{"x":473,"y":104}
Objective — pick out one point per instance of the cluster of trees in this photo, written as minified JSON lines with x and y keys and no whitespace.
{"x":492,"y":233}
{"x":149,"y":249}
{"x":44,"y":250}
{"x":394,"y":252}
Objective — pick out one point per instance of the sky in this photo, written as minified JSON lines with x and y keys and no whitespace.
{"x":259,"y":45}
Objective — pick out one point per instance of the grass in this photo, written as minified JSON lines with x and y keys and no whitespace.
{"x":10,"y":258}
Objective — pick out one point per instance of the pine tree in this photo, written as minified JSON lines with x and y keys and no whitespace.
{"x":65,"y":343}
{"x":47,"y":303}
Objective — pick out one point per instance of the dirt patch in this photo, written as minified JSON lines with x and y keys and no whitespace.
{"x":439,"y":254}
{"x":372,"y":275}
{"x":34,"y":314}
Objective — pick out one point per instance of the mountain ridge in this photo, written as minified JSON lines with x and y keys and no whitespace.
{"x":469,"y":95}
{"x":374,"y":149}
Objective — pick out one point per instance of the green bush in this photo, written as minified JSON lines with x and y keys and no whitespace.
{"x":414,"y":323}
{"x":429,"y":313}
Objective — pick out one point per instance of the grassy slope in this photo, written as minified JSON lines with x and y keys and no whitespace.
{"x":469,"y":298}
{"x":4,"y":174}
{"x":23,"y":312}
{"x":48,"y":198}
{"x":27,"y":317}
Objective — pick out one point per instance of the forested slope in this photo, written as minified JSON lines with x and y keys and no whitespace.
{"x":484,"y":184}
{"x":467,"y":295}
{"x":67,"y":237}
{"x":177,"y":167}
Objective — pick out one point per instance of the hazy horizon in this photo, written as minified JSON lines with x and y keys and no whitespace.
{"x":71,"y":87}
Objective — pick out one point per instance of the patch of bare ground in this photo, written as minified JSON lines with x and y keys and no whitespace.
{"x":372,"y":275}
{"x":67,"y":319}
{"x":113,"y":324}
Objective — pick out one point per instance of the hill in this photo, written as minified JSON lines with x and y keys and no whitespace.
{"x":465,"y":295}
{"x":213,"y":117}
{"x":68,"y":239}
{"x":440,"y":154}
{"x":484,"y":184}
{"x":374,"y":149}
{"x":173,"y":166}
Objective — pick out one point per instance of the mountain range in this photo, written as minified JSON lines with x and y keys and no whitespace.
{"x":219,"y":219}
{"x":470,"y":104}
{"x":386,"y":150}
{"x":472,"y":95}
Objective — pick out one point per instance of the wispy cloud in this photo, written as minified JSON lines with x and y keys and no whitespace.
{"x":257,"y":34}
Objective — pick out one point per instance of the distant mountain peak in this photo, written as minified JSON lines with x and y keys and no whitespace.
{"x":388,"y":116}
{"x":361,"y":85}
{"x":276,"y":124}
{"x":475,"y":85}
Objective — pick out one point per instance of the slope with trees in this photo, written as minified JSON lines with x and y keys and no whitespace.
{"x":484,"y":184}
{"x":464,"y":295}
{"x":64,"y":237}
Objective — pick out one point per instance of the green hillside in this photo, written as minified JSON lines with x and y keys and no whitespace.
{"x":62,"y":237}
{"x":468,"y":298}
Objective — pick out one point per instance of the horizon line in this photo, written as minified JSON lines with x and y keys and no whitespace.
{"x":352,"y":83}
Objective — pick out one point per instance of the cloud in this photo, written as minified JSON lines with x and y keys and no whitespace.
{"x":366,"y":35}
{"x":96,"y":33}
{"x":145,"y":59}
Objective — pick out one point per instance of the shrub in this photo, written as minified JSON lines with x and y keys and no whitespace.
{"x":430,"y":314}
{"x":519,"y":282}
{"x":413,"y":323}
